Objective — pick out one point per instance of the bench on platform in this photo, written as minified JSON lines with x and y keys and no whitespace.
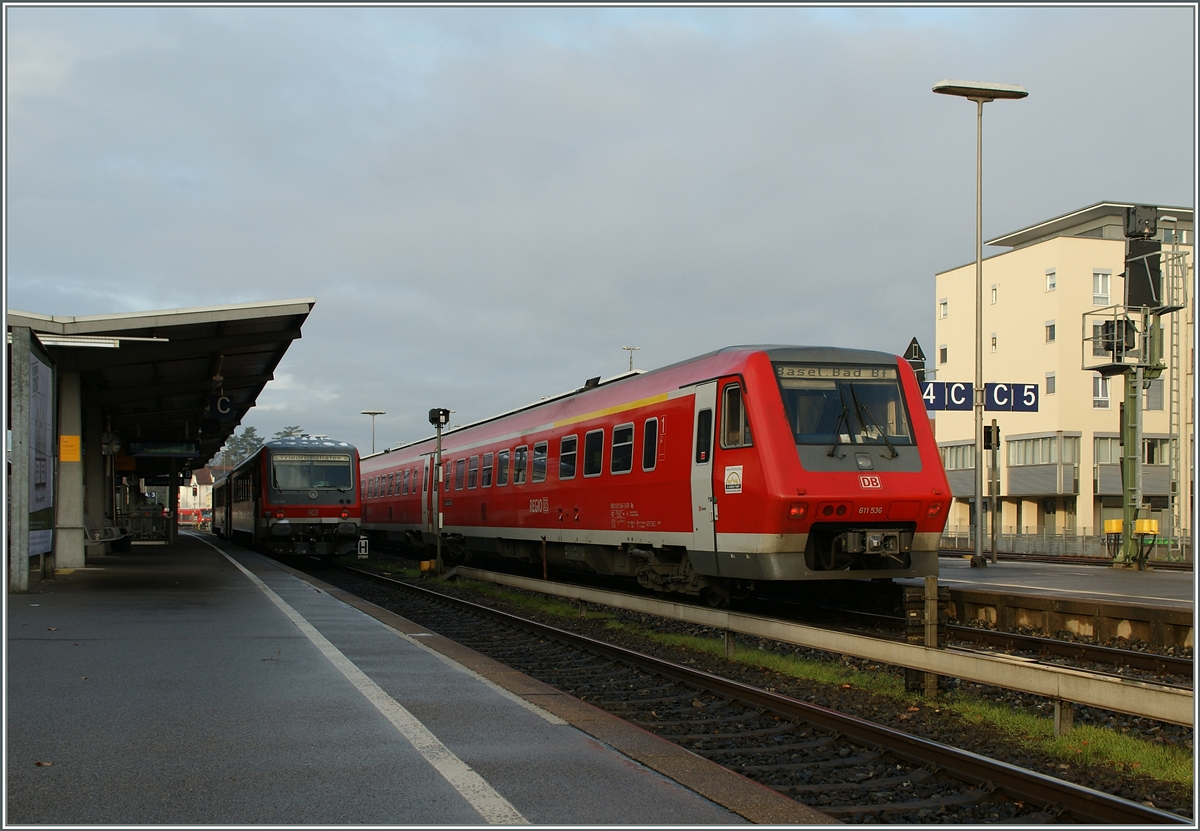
{"x":98,"y":534}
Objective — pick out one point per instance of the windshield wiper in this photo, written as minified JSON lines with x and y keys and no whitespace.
{"x":863,"y":409}
{"x":843,"y":418}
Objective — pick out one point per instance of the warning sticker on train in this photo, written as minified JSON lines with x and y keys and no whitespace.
{"x":733,"y":479}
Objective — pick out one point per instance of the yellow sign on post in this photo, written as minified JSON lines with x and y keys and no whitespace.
{"x":68,"y":449}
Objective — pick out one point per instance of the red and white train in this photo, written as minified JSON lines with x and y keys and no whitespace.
{"x":296,"y":496}
{"x":706,"y":477}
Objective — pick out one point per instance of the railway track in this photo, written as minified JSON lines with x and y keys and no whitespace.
{"x":845,"y":766}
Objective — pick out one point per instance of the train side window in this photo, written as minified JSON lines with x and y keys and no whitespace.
{"x":540,"y":452}
{"x":391,"y":488}
{"x":425,"y":478}
{"x":703,"y":436}
{"x":502,"y":468}
{"x":363,"y":489}
{"x":622,"y":449}
{"x":568,"y":449}
{"x":460,"y":468}
{"x":446,"y":477}
{"x":472,"y":472}
{"x":407,"y":474}
{"x":650,"y":444}
{"x":485,"y":480}
{"x":736,"y":429}
{"x":520,"y":457}
{"x":593,"y":453}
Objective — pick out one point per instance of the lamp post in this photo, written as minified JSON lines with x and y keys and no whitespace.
{"x":372,"y":414}
{"x":980,"y":93}
{"x":631,"y":350}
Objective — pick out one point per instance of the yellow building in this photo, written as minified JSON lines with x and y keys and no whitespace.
{"x":1059,"y":467}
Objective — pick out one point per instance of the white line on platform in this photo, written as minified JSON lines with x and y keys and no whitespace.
{"x":494,"y":808}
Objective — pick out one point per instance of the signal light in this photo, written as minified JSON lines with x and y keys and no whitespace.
{"x":799,"y":510}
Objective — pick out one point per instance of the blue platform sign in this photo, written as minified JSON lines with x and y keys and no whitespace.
{"x":220,"y":407}
{"x":954,"y":395}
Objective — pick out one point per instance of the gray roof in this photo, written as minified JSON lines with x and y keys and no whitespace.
{"x":157,"y":384}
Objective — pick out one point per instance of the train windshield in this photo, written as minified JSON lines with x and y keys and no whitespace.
{"x":835,"y":405}
{"x":311,"y":471}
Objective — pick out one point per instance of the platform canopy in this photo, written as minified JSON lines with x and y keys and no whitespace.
{"x":172,"y":377}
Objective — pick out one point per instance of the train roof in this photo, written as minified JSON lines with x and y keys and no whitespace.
{"x":774,"y":352}
{"x":306,"y":443}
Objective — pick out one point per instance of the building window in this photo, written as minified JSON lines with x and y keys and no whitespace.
{"x":568,"y":449}
{"x":943,"y":308}
{"x":485,"y":480}
{"x":1156,"y":451}
{"x":1033,"y":452}
{"x":1154,"y":395}
{"x":958,"y":456}
{"x":1099,"y":392}
{"x":540,"y":452}
{"x":1101,"y":283}
{"x":995,"y":291}
{"x":1050,"y":383}
{"x":943,"y":353}
{"x":1107,"y":450}
{"x":1051,"y":280}
{"x":622,"y":449}
{"x":993,"y":341}
{"x":1050,"y":331}
{"x":1098,"y":341}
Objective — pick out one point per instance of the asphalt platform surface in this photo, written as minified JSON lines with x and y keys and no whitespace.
{"x":201,"y":684}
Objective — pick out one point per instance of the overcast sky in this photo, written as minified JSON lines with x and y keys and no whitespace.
{"x":487,"y":204}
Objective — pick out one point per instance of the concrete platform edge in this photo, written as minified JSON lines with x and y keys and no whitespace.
{"x":749,"y":799}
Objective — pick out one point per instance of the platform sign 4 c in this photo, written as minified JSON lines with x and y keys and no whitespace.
{"x":999,"y":397}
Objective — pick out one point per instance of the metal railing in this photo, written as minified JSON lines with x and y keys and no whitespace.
{"x":1077,"y":543}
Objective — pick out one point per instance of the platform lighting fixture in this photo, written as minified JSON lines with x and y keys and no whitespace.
{"x":981,"y":93}
{"x":372,"y":414}
{"x":631,"y":350}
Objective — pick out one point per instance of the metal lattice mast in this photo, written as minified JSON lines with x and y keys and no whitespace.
{"x":1176,"y":278}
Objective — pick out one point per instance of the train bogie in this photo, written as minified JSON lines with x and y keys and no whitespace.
{"x":750,"y":465}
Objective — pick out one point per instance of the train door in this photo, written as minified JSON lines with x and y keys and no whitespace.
{"x":704,"y":505}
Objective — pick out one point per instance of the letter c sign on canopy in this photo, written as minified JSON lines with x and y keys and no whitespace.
{"x":220,"y":407}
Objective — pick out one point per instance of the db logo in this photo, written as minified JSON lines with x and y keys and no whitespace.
{"x":870,"y":482}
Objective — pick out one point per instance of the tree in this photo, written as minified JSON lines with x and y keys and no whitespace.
{"x":238,"y":448}
{"x":288,"y":432}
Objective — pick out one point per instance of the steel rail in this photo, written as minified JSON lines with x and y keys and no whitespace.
{"x":1082,"y":803}
{"x":1167,"y":664}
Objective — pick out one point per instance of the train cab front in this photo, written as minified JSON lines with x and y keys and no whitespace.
{"x":312,"y":504}
{"x":871,"y":492}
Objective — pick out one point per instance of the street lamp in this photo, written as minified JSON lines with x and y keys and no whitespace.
{"x":372,"y":414}
{"x":980,"y":93}
{"x":631,"y":350}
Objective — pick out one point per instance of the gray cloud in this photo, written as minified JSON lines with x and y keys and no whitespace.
{"x":488,"y":204}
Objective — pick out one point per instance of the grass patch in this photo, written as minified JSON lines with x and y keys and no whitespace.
{"x":536,"y":603}
{"x":1084,"y":745}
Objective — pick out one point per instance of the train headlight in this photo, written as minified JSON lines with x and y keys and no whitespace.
{"x":934,"y":510}
{"x":798,"y":510}
{"x":279,"y":514}
{"x":345,"y":514}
